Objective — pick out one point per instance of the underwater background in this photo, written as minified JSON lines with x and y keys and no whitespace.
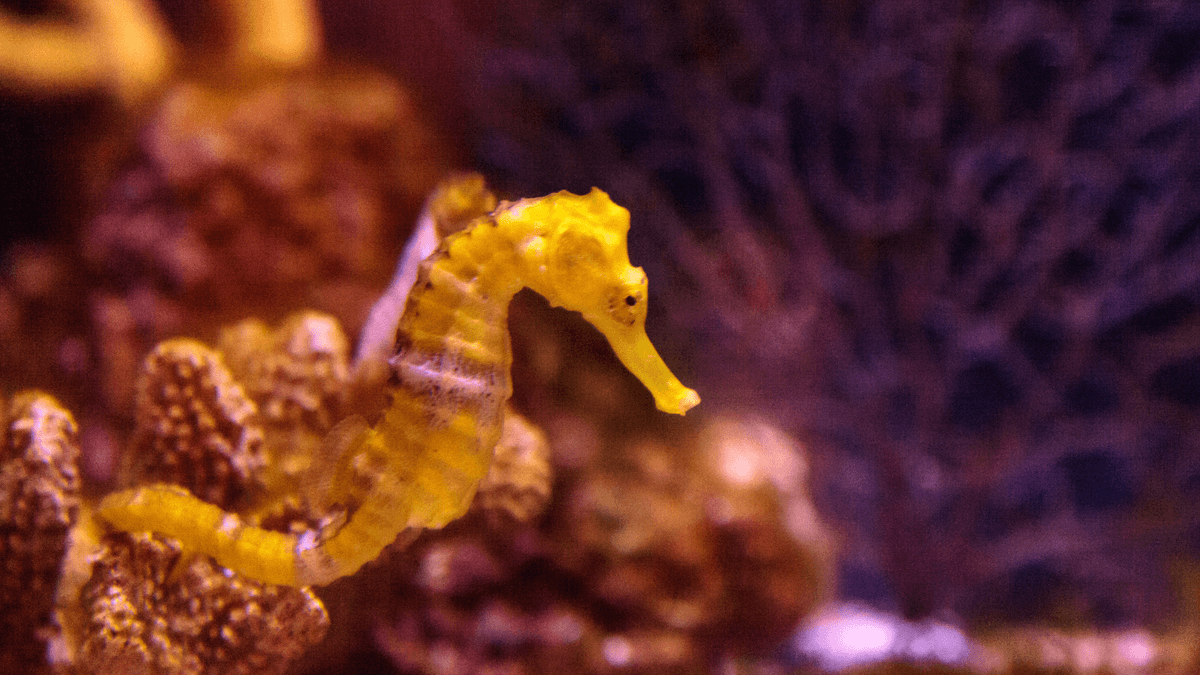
{"x":951,"y":248}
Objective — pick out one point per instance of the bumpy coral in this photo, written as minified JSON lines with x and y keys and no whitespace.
{"x":298,"y":374}
{"x":147,"y":607}
{"x":39,"y":503}
{"x":251,"y":190}
{"x":145,"y":616}
{"x":243,"y":425}
{"x":244,"y":199}
{"x":701,"y":539}
{"x":196,"y":427}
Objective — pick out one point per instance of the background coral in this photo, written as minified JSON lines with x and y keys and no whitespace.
{"x":223,"y":211}
{"x":654,"y":556}
{"x":233,"y":196}
{"x":39,"y":503}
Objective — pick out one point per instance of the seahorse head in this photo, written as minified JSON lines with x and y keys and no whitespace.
{"x":582,"y":264}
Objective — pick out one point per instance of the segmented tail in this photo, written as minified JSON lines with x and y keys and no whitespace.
{"x":204,"y":528}
{"x":266,"y":555}
{"x":391,"y":495}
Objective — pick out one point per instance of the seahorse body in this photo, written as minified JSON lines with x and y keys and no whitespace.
{"x":434,"y":442}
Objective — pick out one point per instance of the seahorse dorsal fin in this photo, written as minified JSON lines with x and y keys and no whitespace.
{"x":342,"y":441}
{"x":343,"y":435}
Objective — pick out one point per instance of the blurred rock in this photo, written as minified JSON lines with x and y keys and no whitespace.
{"x":516,"y":488}
{"x":653,"y":558}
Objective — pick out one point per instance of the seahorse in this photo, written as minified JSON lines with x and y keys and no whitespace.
{"x":450,"y":382}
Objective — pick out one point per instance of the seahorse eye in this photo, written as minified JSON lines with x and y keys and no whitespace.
{"x":625,"y":305}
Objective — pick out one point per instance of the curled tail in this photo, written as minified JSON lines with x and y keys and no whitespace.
{"x":268,"y":556}
{"x":427,"y":493}
{"x":204,"y":528}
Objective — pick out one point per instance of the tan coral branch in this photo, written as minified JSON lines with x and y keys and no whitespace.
{"x":119,"y":45}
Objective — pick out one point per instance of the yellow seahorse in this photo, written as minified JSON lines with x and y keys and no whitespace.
{"x":434,"y":442}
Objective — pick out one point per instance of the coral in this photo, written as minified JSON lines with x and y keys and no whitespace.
{"x":297,"y":373}
{"x":148,"y":606}
{"x":299,"y":376}
{"x":244,"y":198}
{"x":227,"y":199}
{"x":144,"y":616}
{"x":196,"y":427}
{"x":697,"y":540}
{"x":230,"y":196}
{"x":39,"y":503}
{"x":210,"y":171}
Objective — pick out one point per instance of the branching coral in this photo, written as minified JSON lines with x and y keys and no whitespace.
{"x":954,"y":243}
